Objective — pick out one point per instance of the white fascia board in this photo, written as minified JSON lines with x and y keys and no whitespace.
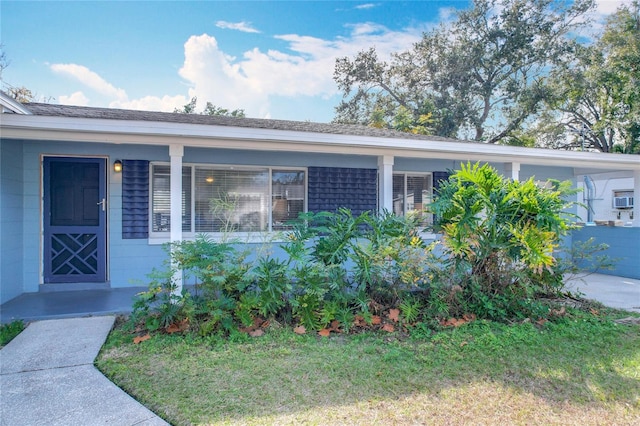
{"x":10,"y":104}
{"x":248,"y":138}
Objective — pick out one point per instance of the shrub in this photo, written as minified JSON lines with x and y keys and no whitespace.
{"x":218,"y":300}
{"x":498,"y":253}
{"x":499,"y":237}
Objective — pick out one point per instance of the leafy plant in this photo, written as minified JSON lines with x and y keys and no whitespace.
{"x":337,"y":234}
{"x":500,"y":236}
{"x":410,"y":308}
{"x":161,"y":305}
{"x":274,"y":285}
{"x":221,"y":279}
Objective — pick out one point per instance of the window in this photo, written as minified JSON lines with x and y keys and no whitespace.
{"x":229,"y":199}
{"x":412,"y":193}
{"x":161,"y":199}
{"x":287,"y":197}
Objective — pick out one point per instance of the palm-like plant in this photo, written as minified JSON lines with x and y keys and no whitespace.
{"x":499,"y":230}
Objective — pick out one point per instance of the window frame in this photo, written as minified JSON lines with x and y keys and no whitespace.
{"x":406,"y":175}
{"x":160,"y":237}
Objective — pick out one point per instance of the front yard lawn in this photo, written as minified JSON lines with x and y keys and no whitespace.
{"x":580,"y":369}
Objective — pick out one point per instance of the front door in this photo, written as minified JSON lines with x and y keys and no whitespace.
{"x":74,"y":220}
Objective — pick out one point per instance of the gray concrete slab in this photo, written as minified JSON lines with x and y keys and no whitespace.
{"x":47,"y":377}
{"x":612,"y":291}
{"x":39,"y":346}
{"x":69,"y":304}
{"x":78,"y":395}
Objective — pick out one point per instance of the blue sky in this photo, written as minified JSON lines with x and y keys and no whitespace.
{"x":274,"y":59}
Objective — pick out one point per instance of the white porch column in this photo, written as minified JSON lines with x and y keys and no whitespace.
{"x":512,"y":171}
{"x":385,"y":173}
{"x":176,"y":152}
{"x":636,"y":199}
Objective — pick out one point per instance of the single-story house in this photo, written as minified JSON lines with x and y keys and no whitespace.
{"x":88,"y":195}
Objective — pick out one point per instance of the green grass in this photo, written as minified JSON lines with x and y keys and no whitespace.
{"x":579,"y":370}
{"x":9,"y":331}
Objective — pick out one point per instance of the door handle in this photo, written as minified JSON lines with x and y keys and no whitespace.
{"x":103,"y":203}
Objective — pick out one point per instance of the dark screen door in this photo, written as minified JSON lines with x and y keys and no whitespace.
{"x":74,"y":220}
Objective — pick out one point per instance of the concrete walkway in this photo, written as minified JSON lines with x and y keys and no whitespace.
{"x":47,"y":377}
{"x":610,"y":290}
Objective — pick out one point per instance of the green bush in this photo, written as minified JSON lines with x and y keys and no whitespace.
{"x":219,"y":300}
{"x":499,"y":239}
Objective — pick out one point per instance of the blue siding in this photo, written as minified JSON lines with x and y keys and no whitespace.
{"x":132,"y":260}
{"x":135,"y":199}
{"x":333,"y":187}
{"x":624,"y":245}
{"x":11,"y":224}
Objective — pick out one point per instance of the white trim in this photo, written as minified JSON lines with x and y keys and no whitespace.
{"x":176,"y":152}
{"x":512,"y":170}
{"x":241,"y":237}
{"x":215,"y":136}
{"x":385,"y":183}
{"x":10,"y":104}
{"x":405,"y":175}
{"x":636,"y":194}
{"x":159,"y":237}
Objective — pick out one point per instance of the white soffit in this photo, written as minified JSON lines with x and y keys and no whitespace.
{"x":215,"y":136}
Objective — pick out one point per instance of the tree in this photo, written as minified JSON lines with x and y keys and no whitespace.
{"x":209,"y":109}
{"x":4,"y":61}
{"x":597,"y":96}
{"x":481,"y":77}
{"x":21,"y":94}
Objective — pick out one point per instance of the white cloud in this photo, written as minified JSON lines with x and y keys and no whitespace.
{"x":366,"y":6}
{"x":116,"y":98}
{"x":89,"y":79}
{"x":607,"y":7}
{"x":304,"y":69}
{"x":252,"y":80}
{"x":76,"y":98}
{"x":598,"y":16}
{"x":366,"y":28}
{"x":245,"y":27}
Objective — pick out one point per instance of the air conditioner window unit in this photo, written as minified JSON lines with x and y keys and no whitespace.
{"x":622,"y":202}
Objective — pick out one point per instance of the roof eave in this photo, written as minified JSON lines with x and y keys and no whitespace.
{"x":7,"y":103}
{"x":216,"y":136}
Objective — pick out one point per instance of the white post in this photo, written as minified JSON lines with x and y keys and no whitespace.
{"x":512,"y":170}
{"x":385,"y":173}
{"x":176,"y":152}
{"x":636,"y":199}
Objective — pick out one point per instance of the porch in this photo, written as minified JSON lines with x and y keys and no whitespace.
{"x":69,"y":304}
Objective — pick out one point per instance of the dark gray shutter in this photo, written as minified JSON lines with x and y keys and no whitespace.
{"x":438,"y":179}
{"x":135,"y":199}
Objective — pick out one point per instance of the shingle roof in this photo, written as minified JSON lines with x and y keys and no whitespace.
{"x":54,"y":110}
